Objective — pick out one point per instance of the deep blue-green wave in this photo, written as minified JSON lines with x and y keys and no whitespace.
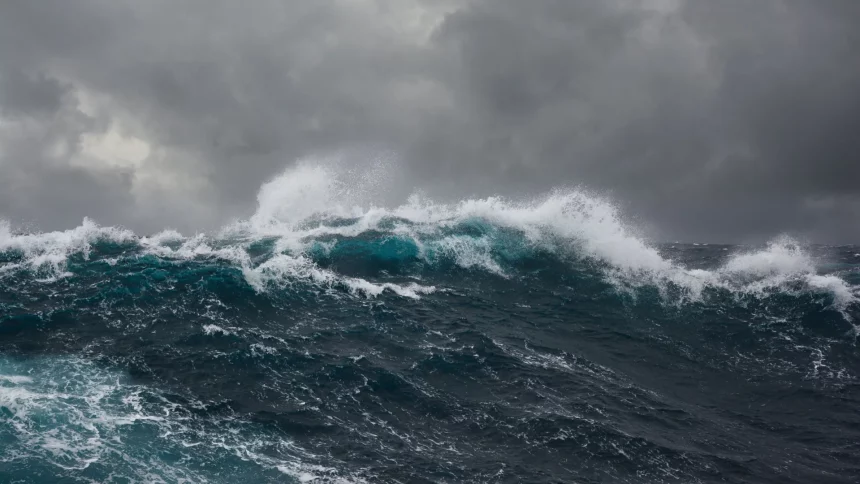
{"x":472,"y":351}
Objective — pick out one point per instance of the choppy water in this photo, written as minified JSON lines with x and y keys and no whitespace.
{"x":484,"y":341}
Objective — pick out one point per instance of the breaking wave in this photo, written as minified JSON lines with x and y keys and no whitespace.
{"x":308,"y":223}
{"x":331,"y":339}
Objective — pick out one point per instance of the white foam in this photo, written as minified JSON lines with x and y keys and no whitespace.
{"x":48,"y":252}
{"x":782,"y":256}
{"x":258,"y":349}
{"x":467,"y":252}
{"x":17,"y":379}
{"x":71,"y":413}
{"x":211,"y":329}
{"x":285,"y":271}
{"x":165,"y":236}
{"x":310,"y":191}
{"x":369,"y":289}
{"x":298,"y":210}
{"x":574,"y":221}
{"x":781,"y":264}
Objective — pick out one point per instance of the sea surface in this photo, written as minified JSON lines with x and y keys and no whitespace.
{"x":329,"y":341}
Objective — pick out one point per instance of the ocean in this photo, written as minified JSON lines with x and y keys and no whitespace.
{"x":328,"y":340}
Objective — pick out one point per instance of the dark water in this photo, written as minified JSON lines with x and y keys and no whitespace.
{"x":466,"y":353}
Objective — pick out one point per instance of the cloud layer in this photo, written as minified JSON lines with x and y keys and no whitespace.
{"x":728,"y":120}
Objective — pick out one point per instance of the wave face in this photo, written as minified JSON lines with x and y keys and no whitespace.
{"x":326,"y":339}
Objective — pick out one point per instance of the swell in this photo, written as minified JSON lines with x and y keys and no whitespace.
{"x":485,"y":340}
{"x":398,"y":255}
{"x":315,"y":227}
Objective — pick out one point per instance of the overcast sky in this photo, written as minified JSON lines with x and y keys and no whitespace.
{"x":706,"y":120}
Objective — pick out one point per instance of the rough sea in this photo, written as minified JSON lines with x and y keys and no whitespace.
{"x":329,"y":341}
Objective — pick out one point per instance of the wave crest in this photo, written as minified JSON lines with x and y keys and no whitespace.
{"x":313,"y":211}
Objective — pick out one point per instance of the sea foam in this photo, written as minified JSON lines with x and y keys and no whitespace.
{"x":313,"y":204}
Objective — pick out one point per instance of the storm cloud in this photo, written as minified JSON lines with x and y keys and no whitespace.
{"x":721,"y":121}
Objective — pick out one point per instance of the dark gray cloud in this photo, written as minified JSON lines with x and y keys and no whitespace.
{"x":729,"y":120}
